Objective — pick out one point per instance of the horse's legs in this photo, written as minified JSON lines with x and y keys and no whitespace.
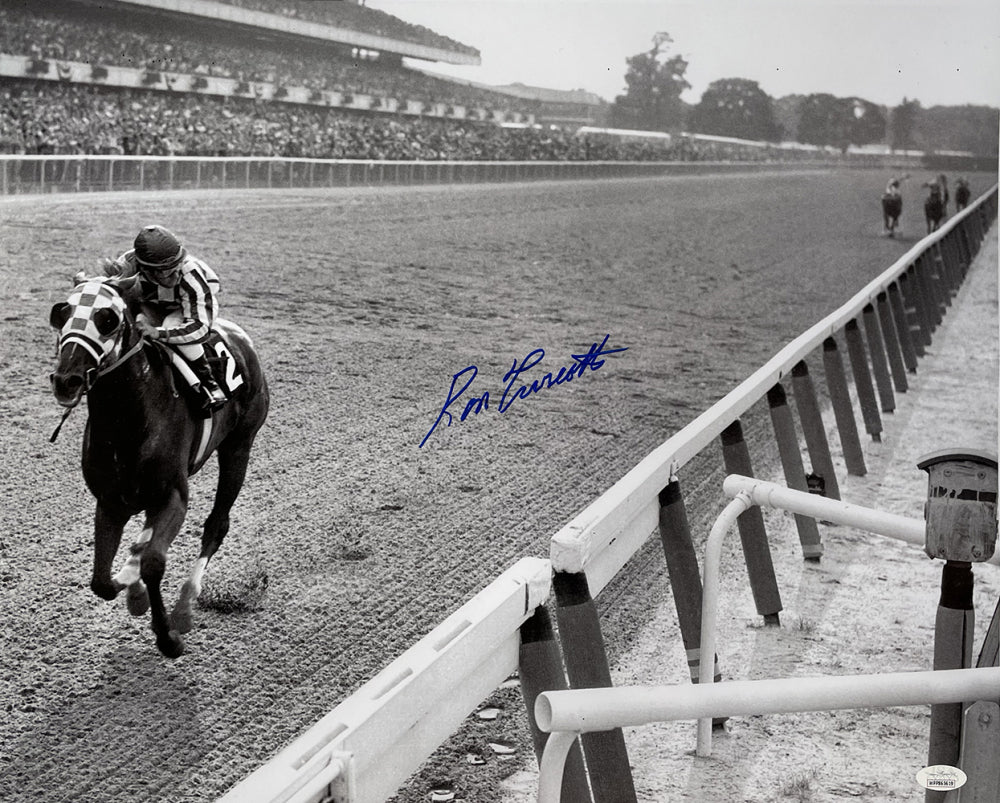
{"x":128,"y":575}
{"x":165,"y":524}
{"x":108,"y":526}
{"x":232,"y":472}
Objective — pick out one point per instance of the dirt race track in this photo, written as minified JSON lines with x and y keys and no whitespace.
{"x":363,"y":304}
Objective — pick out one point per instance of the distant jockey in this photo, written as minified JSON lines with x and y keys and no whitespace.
{"x":184,"y":290}
{"x":942,"y":180}
{"x":892,"y":188}
{"x":892,"y":204}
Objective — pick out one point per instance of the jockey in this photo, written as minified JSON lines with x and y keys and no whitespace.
{"x":892,"y":188}
{"x":184,"y":290}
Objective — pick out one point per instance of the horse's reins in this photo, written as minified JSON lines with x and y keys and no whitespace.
{"x":93,"y":374}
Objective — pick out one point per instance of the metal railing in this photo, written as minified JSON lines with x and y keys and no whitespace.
{"x":66,"y":173}
{"x":900,"y":311}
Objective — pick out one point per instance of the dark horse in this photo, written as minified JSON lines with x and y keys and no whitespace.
{"x":962,"y":193}
{"x":144,"y":437}
{"x":934,"y":206}
{"x":892,"y":207}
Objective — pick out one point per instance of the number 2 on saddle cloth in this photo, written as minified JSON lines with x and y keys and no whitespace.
{"x":220,"y":359}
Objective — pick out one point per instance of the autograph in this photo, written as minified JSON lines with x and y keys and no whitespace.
{"x":461,"y":381}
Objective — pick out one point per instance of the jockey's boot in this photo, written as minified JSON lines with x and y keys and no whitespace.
{"x":216,"y":397}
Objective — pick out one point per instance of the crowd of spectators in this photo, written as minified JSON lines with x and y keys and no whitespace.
{"x":43,"y":117}
{"x":100,"y":37}
{"x":359,"y":18}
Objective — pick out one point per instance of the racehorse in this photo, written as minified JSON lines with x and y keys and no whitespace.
{"x":961,"y":195}
{"x":942,"y":180}
{"x":934,"y":210}
{"x":145,"y":436}
{"x":892,"y":207}
{"x":892,"y":204}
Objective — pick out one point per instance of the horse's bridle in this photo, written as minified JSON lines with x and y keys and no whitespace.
{"x":95,"y":373}
{"x":91,"y":375}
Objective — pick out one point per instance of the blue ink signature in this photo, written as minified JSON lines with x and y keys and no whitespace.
{"x":474,"y":405}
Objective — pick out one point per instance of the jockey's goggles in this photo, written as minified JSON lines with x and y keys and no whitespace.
{"x":162,"y":268}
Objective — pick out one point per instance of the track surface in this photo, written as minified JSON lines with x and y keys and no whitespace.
{"x":364,"y":303}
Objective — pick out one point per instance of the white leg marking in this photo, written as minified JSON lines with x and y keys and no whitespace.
{"x":196,"y":574}
{"x":129,"y":573}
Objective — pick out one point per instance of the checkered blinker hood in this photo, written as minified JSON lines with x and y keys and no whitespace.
{"x":93,"y":313}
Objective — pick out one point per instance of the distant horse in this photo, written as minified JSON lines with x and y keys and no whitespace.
{"x":961,"y":195}
{"x":892,"y":204}
{"x":892,"y":207}
{"x":942,"y":180}
{"x":934,"y":206}
{"x":144,"y":437}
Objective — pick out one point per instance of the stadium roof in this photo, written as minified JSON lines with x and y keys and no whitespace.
{"x":581,"y":96}
{"x":406,"y":39}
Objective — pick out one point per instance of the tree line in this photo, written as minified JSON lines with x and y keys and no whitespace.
{"x":738,"y":107}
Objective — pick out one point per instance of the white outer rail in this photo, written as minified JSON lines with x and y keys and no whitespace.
{"x":367,"y":746}
{"x":566,"y":714}
{"x":748,"y":491}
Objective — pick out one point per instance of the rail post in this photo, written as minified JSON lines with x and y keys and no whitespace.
{"x":880,"y":366}
{"x":961,"y":528}
{"x":795,"y":473}
{"x":843,"y":409}
{"x":587,"y":668}
{"x":965,"y":247}
{"x":540,"y":669}
{"x":928,"y":280}
{"x":921,"y":302}
{"x":684,"y":574}
{"x":911,"y":307}
{"x":756,"y":551}
{"x":932,"y":274}
{"x":813,"y":429}
{"x":952,"y":262}
{"x":893,"y":349}
{"x":939,"y":259}
{"x":863,"y":380}
{"x":902,"y":327}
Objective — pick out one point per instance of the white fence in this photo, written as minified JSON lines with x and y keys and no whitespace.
{"x":365,"y":748}
{"x":368,"y":746}
{"x":565,"y":714}
{"x":33,"y":174}
{"x":602,"y":537}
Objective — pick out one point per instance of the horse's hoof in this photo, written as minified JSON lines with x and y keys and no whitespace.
{"x":170,"y":644}
{"x":181,"y":619}
{"x":105,"y":590}
{"x":138,"y":599}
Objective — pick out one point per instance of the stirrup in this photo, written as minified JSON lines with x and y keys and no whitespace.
{"x":213,"y":400}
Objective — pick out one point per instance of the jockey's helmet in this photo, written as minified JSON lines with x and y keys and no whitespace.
{"x":158,"y":254}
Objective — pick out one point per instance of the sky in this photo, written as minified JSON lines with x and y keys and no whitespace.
{"x":940,"y":53}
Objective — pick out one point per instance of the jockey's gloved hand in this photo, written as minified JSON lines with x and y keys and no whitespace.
{"x":111,"y":267}
{"x":146,"y":329}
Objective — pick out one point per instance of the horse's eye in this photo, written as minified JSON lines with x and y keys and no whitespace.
{"x":59,"y":314}
{"x":106,"y":320}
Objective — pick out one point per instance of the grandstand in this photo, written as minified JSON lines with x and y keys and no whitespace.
{"x":349,"y":59}
{"x":293,"y":79}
